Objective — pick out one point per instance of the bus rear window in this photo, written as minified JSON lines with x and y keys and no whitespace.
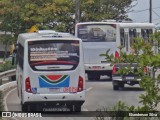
{"x":53,"y":55}
{"x":97,"y":32}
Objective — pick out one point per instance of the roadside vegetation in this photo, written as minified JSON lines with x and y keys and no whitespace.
{"x":143,"y":55}
{"x":18,"y":16}
{"x":6,"y":66}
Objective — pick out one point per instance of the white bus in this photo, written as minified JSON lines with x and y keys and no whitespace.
{"x":129,"y":31}
{"x":98,"y":37}
{"x":50,"y":72}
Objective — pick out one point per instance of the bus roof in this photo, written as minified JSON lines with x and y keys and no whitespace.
{"x":121,"y":24}
{"x":137,"y":25}
{"x":44,"y":34}
{"x":96,"y":23}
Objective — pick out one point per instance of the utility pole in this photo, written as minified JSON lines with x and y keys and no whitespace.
{"x":77,"y":12}
{"x":150,"y":11}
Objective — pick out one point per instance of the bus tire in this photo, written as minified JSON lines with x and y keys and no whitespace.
{"x":90,"y":76}
{"x":13,"y":78}
{"x":77,"y":108}
{"x":24,"y":107}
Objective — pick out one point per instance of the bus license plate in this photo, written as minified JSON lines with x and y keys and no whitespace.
{"x":55,"y":90}
{"x":129,"y":78}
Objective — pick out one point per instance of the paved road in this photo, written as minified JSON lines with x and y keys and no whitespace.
{"x":99,"y":95}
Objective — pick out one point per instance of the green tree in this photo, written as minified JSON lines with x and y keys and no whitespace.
{"x":149,"y":82}
{"x":97,"y":10}
{"x":17,"y":16}
{"x":20,"y":15}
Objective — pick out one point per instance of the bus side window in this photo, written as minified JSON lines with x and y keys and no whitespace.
{"x":132,"y":35}
{"x":14,"y":56}
{"x":150,"y":31}
{"x":146,"y":35}
{"x":126,"y":39}
{"x":122,"y":40}
{"x":20,"y":56}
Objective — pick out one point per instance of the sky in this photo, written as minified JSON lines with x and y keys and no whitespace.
{"x":140,"y":12}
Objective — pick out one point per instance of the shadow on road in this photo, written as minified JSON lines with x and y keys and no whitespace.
{"x":103,"y":79}
{"x":131,"y":89}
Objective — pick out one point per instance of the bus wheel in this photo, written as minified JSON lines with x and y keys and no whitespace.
{"x":24,"y":107}
{"x":77,"y":108}
{"x":90,"y":76}
{"x":13,"y":78}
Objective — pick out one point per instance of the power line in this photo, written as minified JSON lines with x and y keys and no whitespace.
{"x":143,"y":10}
{"x":152,"y":20}
{"x":156,"y":13}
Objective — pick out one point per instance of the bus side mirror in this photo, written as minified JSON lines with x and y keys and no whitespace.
{"x":14,"y":56}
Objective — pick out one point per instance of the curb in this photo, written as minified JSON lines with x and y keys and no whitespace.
{"x":8,"y":86}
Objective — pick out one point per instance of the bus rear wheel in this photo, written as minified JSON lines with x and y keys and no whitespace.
{"x":24,"y":107}
{"x":77,"y":108}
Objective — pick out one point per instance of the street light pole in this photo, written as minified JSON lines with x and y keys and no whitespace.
{"x":150,"y":11}
{"x":77,"y":12}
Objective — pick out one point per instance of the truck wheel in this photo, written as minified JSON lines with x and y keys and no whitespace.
{"x":115,"y":87}
{"x":121,"y":84}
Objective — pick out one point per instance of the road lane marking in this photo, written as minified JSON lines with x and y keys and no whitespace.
{"x":5,"y":102}
{"x":89,"y":89}
{"x":5,"y":98}
{"x":84,"y":109}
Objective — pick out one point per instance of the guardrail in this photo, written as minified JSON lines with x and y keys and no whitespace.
{"x":6,"y":74}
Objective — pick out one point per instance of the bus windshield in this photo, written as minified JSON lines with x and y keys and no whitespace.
{"x":53,"y":55}
{"x":97,"y":32}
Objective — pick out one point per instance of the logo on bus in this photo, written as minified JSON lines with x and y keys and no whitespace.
{"x":54,"y":80}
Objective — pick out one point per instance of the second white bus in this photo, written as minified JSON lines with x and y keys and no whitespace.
{"x":98,"y":37}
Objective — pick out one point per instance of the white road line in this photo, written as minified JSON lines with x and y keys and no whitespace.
{"x":84,"y":109}
{"x":89,"y":89}
{"x":5,"y":103}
